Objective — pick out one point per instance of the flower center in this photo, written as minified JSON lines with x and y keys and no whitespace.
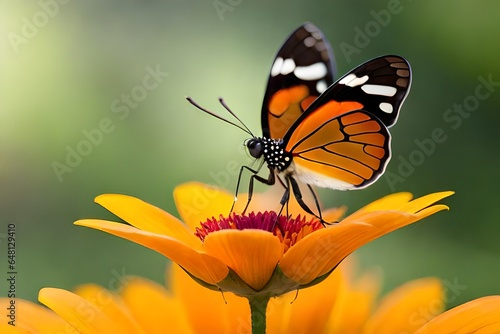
{"x":288,"y":229}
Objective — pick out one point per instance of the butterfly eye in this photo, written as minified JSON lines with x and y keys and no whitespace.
{"x":254,"y":147}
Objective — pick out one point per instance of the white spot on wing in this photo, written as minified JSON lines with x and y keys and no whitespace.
{"x":316,"y":35}
{"x":312,"y":72}
{"x":309,"y":27}
{"x":358,"y":81}
{"x":276,"y":69}
{"x":386,"y":107}
{"x":347,"y":78}
{"x":309,"y":41}
{"x":288,"y":66}
{"x":352,"y":80}
{"x":379,"y":90}
{"x":321,"y":86}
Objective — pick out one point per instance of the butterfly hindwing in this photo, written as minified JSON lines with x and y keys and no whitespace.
{"x":302,"y":69}
{"x":345,"y":152}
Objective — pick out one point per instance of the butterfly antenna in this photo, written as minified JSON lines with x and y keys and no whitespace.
{"x":221,"y":100}
{"x":243,"y":128}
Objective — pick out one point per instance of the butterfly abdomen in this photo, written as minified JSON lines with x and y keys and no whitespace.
{"x":274,"y":153}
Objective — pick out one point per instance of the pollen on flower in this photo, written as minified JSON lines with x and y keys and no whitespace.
{"x":288,"y":229}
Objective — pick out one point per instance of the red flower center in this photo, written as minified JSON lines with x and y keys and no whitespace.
{"x":289,"y":230}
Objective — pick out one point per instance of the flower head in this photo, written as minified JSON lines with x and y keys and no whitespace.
{"x":259,"y":253}
{"x":288,"y":230}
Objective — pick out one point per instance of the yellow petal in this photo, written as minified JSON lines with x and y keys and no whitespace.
{"x":34,"y":318}
{"x":8,"y":329}
{"x":481,"y":315}
{"x":402,"y":202}
{"x":389,"y":202}
{"x":354,"y":302}
{"x":425,"y":201}
{"x":322,"y":250}
{"x":311,"y":310}
{"x":334,"y":214}
{"x":279,"y":312}
{"x":154,"y":308}
{"x":147,"y":217}
{"x":201,"y":265}
{"x":252,"y":254}
{"x":202,"y":306}
{"x":431,"y":210}
{"x":82,"y":315}
{"x":109,"y":304}
{"x":196,"y":202}
{"x":408,"y":307}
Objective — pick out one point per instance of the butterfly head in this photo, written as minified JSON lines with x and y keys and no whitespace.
{"x":255,"y":147}
{"x":272,"y":150}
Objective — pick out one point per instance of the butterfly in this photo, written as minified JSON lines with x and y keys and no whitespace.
{"x":319,"y":132}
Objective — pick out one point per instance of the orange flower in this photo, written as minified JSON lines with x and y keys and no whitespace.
{"x":255,"y":254}
{"x":260,"y":255}
{"x":340,"y":304}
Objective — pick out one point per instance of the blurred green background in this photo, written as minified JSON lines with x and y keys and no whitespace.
{"x":65,"y":65}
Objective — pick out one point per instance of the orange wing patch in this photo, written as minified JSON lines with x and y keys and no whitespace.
{"x":354,"y":117}
{"x":357,"y":152}
{"x":364,"y":126}
{"x":284,"y":98}
{"x":279,"y":126}
{"x":316,"y":121}
{"x":352,"y":148}
{"x":337,"y":161}
{"x":377,"y":152}
{"x":310,"y":135}
{"x":285,"y":106}
{"x":307,"y":102}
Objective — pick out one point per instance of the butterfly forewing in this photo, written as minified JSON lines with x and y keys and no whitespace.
{"x":380,"y":85}
{"x":302,"y":70}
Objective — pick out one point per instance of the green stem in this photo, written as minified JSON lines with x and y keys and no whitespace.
{"x":258,"y":308}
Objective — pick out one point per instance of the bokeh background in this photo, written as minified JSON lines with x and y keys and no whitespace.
{"x":65,"y":67}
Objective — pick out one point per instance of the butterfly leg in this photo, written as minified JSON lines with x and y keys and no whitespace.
{"x":285,"y":199}
{"x":318,"y":207}
{"x":269,"y":181}
{"x":298,"y":196}
{"x":253,"y":171}
{"x":316,"y":202}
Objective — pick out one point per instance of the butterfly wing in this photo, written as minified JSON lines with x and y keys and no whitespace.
{"x":302,"y":69}
{"x":341,"y":141}
{"x":380,"y":86}
{"x":344,"y":152}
